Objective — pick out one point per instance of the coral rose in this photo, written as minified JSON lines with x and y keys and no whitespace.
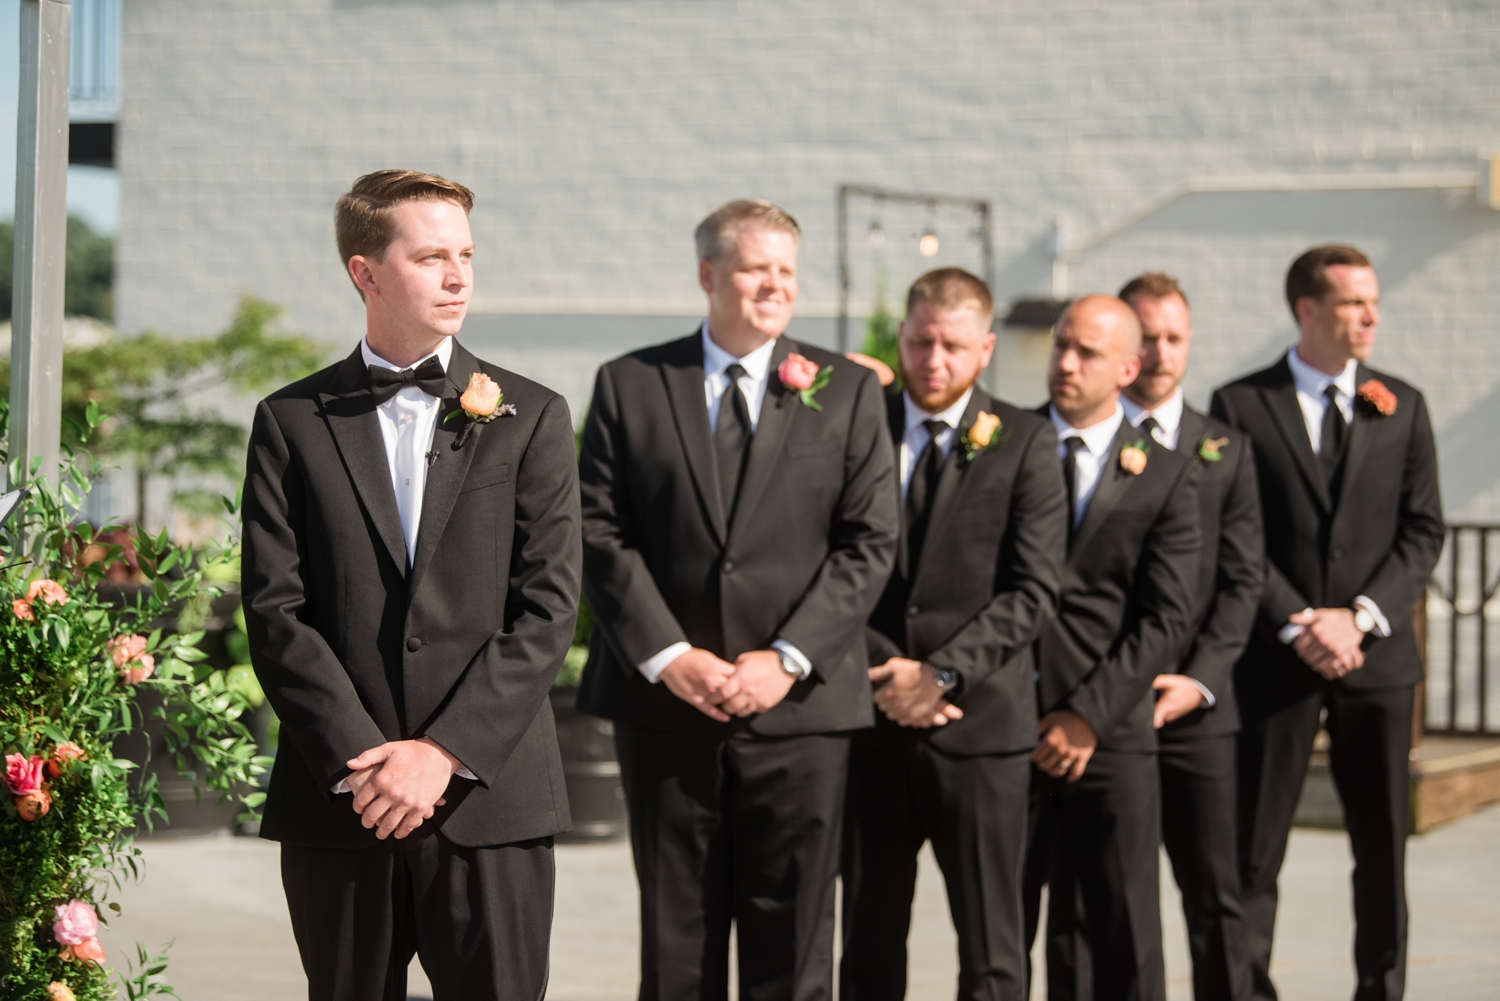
{"x":34,"y":804}
{"x":50,"y":591}
{"x":63,"y":755}
{"x":1132,"y":460}
{"x":23,"y":774}
{"x":59,"y":991}
{"x":1379,"y":396}
{"x":139,"y":670}
{"x":984,"y":428}
{"x":22,"y":610}
{"x":76,"y":923}
{"x":482,"y":396}
{"x":124,"y":649}
{"x":88,"y":951}
{"x":797,"y":372}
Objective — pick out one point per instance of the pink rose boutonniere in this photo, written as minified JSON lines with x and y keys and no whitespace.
{"x":77,"y":931}
{"x":1133,"y":457}
{"x":481,"y":403}
{"x":1378,"y":395}
{"x":803,"y":377}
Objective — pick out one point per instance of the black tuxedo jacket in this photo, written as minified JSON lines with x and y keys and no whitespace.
{"x":1127,"y":598}
{"x":1226,"y":592}
{"x":987,"y":578}
{"x":1379,"y":537}
{"x":810,"y":546}
{"x":354,"y":648}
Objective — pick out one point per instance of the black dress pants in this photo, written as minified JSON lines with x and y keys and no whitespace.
{"x":479,"y":918}
{"x":1369,"y":758}
{"x":902,"y":792}
{"x":1198,"y":828}
{"x":729,"y":826}
{"x":1095,"y":844}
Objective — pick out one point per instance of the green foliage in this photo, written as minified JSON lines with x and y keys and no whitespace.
{"x":89,"y":276}
{"x":59,"y":684}
{"x":880,"y":334}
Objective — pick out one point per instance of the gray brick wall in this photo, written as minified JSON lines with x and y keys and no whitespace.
{"x":596,"y":132}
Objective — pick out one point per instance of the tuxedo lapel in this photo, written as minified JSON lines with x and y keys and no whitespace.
{"x":683,"y":376}
{"x":1281,"y":401}
{"x":1112,"y":485}
{"x":448,"y":466}
{"x":777,"y":412}
{"x":950,"y":482}
{"x":895,"y":411}
{"x":350,"y":412}
{"x":1191,"y":431}
{"x":1361,"y":431}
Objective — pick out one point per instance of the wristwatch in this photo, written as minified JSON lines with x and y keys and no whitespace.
{"x":945,"y":677}
{"x":788,"y":665}
{"x":1363,"y":620}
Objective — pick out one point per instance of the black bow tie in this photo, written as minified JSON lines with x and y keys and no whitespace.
{"x":429,"y":377}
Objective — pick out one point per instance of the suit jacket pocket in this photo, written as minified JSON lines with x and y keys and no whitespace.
{"x":812,"y":449}
{"x":488,"y":477}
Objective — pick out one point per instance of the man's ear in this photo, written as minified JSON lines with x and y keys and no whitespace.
{"x":706,"y":276}
{"x":1130,"y":368}
{"x":362,"y":275}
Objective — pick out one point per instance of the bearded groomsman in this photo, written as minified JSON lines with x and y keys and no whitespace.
{"x":1126,"y":610}
{"x":1354,"y":525}
{"x":977,"y":574}
{"x":1195,"y":715}
{"x":740,"y":520}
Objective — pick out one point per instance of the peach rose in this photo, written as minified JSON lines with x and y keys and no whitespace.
{"x":87,"y":951}
{"x":797,"y":372}
{"x":34,"y":804}
{"x":59,"y":991}
{"x":482,"y":396}
{"x":76,"y":923}
{"x":983,"y":430}
{"x":1379,"y":396}
{"x":22,"y":610}
{"x":138,"y":670}
{"x":50,"y":591}
{"x":63,"y":755}
{"x":1132,"y":460}
{"x":22,"y":774}
{"x":124,"y":649}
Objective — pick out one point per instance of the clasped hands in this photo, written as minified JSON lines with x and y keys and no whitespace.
{"x":399,"y":784}
{"x":907,"y":692}
{"x":1329,"y":642}
{"x":720,"y":690}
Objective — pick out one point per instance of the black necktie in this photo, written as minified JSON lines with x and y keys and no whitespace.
{"x":429,"y":377}
{"x":1331,"y":447}
{"x":924,"y":478}
{"x":1149,"y":427}
{"x":1070,"y":476}
{"x":732,"y":438}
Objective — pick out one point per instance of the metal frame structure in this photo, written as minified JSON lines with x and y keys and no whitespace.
{"x":1471,"y":584}
{"x":980,"y":206}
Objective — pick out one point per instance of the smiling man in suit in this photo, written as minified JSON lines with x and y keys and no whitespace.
{"x":740,"y":520}
{"x":977,"y":575}
{"x":1195,"y":715}
{"x":1125,"y":611}
{"x":1354,"y":525}
{"x":410,"y":588}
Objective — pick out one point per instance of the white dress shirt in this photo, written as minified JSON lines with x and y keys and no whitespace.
{"x":915,"y":438}
{"x":407,"y":421}
{"x":1311,"y":385}
{"x":757,"y":366}
{"x":1088,"y":460}
{"x":1168,"y":414}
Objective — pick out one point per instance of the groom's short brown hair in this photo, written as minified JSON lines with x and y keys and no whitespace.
{"x":363,"y":220}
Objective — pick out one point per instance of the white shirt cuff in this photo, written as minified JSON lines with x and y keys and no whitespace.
{"x":653,"y":667}
{"x":1291,"y":630}
{"x":798,"y":659}
{"x":462,"y":773}
{"x":1382,"y":625}
{"x":1208,"y":697}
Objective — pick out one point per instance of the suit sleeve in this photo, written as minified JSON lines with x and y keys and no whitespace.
{"x":500,"y":693}
{"x":1237,"y":583}
{"x":314,"y":698}
{"x":1401,"y":578}
{"x":1030,"y":571}
{"x":862,"y":540}
{"x":1162,"y":588}
{"x":882,"y":648}
{"x":629,"y":610}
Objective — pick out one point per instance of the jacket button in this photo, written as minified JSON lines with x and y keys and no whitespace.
{"x":1336,"y":555}
{"x":911,"y":613}
{"x":413,"y":644}
{"x":729,"y":566}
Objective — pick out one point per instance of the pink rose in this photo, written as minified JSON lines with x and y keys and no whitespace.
{"x":34,"y":804}
{"x":63,"y":755}
{"x":139,"y":670}
{"x":51,"y":592}
{"x":76,"y":923}
{"x":482,"y":396}
{"x":59,"y":991}
{"x":797,"y":373}
{"x":124,"y":649}
{"x":89,"y":951}
{"x":1132,"y":460}
{"x":22,"y":610}
{"x":23,"y":774}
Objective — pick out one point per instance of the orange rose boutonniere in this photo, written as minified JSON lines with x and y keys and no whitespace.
{"x":481,"y":403}
{"x":986,"y":434}
{"x":1133,"y":457}
{"x":1376,"y":394}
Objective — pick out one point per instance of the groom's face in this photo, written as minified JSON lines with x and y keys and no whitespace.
{"x":425,"y":277}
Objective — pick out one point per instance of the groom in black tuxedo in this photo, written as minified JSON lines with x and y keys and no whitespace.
{"x":411,"y":574}
{"x":740,"y":520}
{"x":1349,"y":487}
{"x":977,"y":575}
{"x":1125,"y":611}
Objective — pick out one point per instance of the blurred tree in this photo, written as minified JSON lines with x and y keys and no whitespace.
{"x":880,"y":332}
{"x":90,"y":271}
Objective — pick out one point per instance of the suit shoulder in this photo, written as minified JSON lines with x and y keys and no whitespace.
{"x":653,"y":355}
{"x":1402,"y":388}
{"x":1021,"y":423}
{"x":516,"y":386}
{"x":308,"y":387}
{"x":1271,"y":375}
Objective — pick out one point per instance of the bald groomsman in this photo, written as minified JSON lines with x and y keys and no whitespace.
{"x":1126,"y":609}
{"x":1349,"y":490}
{"x":1195,"y":716}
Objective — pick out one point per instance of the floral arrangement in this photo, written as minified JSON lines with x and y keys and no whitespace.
{"x":74,"y":658}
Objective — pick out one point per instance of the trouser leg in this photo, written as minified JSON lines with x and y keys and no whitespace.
{"x":1369,"y":757}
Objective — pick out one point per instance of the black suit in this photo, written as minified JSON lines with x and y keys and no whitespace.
{"x":981,"y":587}
{"x":738,"y":820}
{"x":356,"y":648}
{"x":1379,"y":535}
{"x":1126,"y":611}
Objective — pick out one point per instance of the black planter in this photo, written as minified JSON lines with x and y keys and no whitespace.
{"x":187,"y":815}
{"x":595,"y":796}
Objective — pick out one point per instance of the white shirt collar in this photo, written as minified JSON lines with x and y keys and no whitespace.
{"x":1313,"y":382}
{"x":1168,"y":413}
{"x":1096,"y":437}
{"x":915,"y":415}
{"x":444,"y":354}
{"x":756,"y":364}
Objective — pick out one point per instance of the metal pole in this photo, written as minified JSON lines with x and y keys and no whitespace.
{"x":843,"y":329}
{"x":41,"y":236}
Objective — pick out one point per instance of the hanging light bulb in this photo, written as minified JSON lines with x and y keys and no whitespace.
{"x":928,"y":245}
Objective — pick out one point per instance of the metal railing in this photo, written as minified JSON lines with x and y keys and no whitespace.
{"x":1462,"y":696}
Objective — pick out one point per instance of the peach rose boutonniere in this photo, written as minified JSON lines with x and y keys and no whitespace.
{"x":1378,"y":395}
{"x":986,"y":434}
{"x":1133,"y":457}
{"x":803,"y":377}
{"x":481,"y":403}
{"x":1209,"y":449}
